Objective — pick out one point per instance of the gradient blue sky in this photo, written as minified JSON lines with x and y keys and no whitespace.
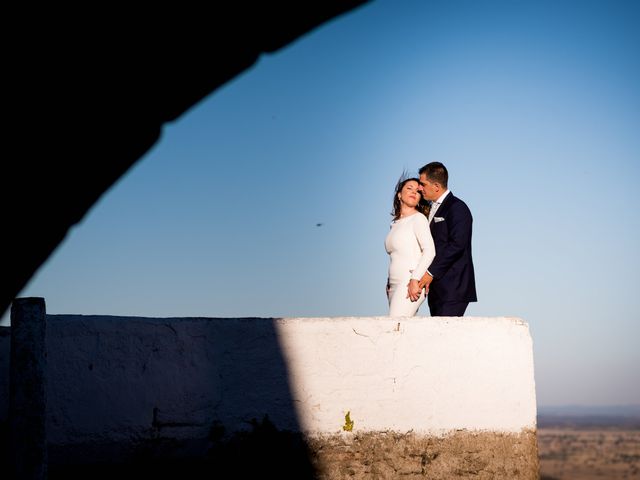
{"x":534,"y":106}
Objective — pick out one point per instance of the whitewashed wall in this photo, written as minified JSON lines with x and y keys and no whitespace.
{"x":427,"y":375}
{"x":119,"y":379}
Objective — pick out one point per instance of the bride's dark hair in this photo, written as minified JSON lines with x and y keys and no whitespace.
{"x":422,"y":207}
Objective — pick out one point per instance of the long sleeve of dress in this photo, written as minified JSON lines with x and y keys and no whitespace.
{"x":425,"y":240}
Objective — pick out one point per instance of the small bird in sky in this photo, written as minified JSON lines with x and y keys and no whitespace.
{"x":319,"y":224}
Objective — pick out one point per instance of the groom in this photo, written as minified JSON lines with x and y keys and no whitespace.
{"x":450,"y":279}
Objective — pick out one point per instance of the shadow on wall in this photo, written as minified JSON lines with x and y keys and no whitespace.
{"x":168,"y":398}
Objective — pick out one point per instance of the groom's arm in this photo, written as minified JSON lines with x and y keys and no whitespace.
{"x":459,"y":222}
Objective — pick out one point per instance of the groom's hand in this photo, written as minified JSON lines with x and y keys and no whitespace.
{"x":413,"y":290}
{"x":425,"y":281}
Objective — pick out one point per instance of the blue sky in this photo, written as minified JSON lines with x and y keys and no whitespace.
{"x":534,"y":107}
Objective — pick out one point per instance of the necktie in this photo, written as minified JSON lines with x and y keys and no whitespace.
{"x":432,"y":210}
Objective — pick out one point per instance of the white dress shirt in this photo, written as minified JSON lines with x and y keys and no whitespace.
{"x":436,"y":204}
{"x":434,"y":208}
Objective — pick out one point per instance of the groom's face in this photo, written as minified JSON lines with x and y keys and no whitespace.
{"x":430,"y":190}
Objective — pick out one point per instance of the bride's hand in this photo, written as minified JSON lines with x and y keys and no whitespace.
{"x":413,"y":290}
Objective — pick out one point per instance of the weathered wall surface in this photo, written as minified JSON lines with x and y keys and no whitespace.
{"x":115,"y":382}
{"x":480,"y":455}
{"x":426,"y":375}
{"x":326,"y":398}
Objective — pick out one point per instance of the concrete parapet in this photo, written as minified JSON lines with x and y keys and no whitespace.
{"x":422,"y":374}
{"x":430,"y":397}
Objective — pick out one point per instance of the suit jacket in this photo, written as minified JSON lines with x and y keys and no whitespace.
{"x":452,"y":267}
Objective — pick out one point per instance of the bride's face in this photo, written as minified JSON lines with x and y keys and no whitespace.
{"x":409,"y":195}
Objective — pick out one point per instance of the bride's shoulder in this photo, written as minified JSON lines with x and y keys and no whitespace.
{"x":421,"y":217}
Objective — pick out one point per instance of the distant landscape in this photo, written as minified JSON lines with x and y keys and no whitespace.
{"x":589,"y":442}
{"x":589,"y":416}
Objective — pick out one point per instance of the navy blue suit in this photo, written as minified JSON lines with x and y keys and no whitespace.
{"x":453,"y":285}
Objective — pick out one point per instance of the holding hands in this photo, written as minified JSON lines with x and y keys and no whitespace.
{"x":413,"y":290}
{"x":414,"y":287}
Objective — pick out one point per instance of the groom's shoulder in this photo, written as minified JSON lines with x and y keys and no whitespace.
{"x":458,"y":203}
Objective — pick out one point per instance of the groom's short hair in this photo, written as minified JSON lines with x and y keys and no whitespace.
{"x":436,"y":172}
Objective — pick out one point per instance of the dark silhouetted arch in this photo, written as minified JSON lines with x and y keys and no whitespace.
{"x":88,"y":91}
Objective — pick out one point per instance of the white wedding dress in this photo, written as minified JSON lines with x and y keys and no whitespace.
{"x":411,"y":250}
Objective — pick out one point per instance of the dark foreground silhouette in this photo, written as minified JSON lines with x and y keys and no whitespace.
{"x":92,"y":98}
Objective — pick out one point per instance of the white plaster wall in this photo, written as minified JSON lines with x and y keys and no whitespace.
{"x":429,"y":375}
{"x":118,"y":379}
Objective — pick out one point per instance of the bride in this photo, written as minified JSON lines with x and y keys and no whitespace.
{"x":410,"y":248}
